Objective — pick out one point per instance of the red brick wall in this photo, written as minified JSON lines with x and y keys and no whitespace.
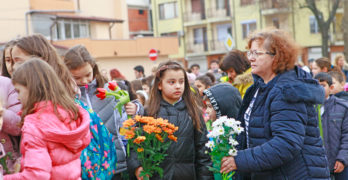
{"x":137,"y":21}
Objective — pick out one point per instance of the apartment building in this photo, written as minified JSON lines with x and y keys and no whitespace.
{"x":202,"y":26}
{"x":102,"y":26}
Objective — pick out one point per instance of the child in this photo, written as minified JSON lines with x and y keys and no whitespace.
{"x":338,"y":82}
{"x":222,"y":100}
{"x":55,"y":130}
{"x":87,"y":76}
{"x":172,"y":99}
{"x":333,"y":126}
{"x":202,"y":83}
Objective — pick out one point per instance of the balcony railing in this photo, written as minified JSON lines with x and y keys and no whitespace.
{"x":190,"y":16}
{"x":217,"y":45}
{"x":216,"y":13}
{"x":275,"y":4}
{"x":196,"y":47}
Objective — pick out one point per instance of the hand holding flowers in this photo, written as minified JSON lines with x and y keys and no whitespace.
{"x":223,"y":145}
{"x":149,"y":137}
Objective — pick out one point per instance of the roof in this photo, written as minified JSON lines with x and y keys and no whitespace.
{"x":89,"y":18}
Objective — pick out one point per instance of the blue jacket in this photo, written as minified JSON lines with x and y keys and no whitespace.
{"x":335,"y":130}
{"x":284,"y":138}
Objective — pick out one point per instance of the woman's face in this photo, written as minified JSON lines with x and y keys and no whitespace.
{"x":340,"y":62}
{"x":8,"y":60}
{"x":261,"y":62}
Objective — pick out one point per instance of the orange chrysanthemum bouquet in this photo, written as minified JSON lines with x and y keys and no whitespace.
{"x":150,"y":138}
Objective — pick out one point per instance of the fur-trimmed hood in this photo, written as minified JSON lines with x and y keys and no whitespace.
{"x":244,"y":78}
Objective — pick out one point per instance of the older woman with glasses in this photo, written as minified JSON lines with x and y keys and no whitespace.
{"x":281,"y":139}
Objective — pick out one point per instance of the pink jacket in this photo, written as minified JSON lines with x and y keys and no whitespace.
{"x":11,"y":106}
{"x":51,"y":148}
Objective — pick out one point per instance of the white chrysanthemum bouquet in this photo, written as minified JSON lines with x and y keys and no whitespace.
{"x":222,"y":142}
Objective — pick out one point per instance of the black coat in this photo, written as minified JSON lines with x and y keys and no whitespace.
{"x":186,"y":158}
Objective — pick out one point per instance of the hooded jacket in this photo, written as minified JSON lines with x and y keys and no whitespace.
{"x":335,"y":130}
{"x":243,"y":81}
{"x":110,"y":117}
{"x":342,"y":95}
{"x":11,"y":106}
{"x":284,"y":138}
{"x":51,"y":147}
{"x":225,"y":99}
{"x":186,"y":158}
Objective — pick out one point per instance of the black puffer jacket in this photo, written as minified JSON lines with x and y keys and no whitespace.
{"x":186,"y":158}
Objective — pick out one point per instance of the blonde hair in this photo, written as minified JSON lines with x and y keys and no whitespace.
{"x":43,"y":84}
{"x":337,"y":57}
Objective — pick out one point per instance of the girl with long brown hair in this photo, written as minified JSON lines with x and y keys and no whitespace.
{"x":172,"y":99}
{"x":86,"y":74}
{"x":55,"y":130}
{"x":38,"y":46}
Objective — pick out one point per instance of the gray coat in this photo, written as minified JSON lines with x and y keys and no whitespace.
{"x":110,"y":117}
{"x":335,"y":130}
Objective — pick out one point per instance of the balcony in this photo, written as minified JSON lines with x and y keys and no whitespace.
{"x":190,"y":16}
{"x":218,"y":13}
{"x":217,"y":45}
{"x":193,"y":47}
{"x":269,"y":7}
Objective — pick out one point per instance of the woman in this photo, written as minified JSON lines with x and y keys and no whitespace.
{"x":238,"y":70}
{"x":282,"y":138}
{"x":340,"y":63}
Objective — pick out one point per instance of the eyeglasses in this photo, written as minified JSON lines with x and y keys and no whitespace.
{"x":256,"y":54}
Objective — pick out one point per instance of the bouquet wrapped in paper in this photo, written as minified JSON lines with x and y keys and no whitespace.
{"x":150,"y":138}
{"x":222,"y":142}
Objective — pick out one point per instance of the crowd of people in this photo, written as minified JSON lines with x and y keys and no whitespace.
{"x":55,"y":127}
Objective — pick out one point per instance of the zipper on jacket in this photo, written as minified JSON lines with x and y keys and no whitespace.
{"x":88,"y":100}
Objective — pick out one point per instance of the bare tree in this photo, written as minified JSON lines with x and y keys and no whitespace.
{"x":324,"y":25}
{"x":345,"y":28}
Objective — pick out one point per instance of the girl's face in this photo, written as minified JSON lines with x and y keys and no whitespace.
{"x":22,"y":93}
{"x":146,"y":88}
{"x":8,"y":60}
{"x":83,"y":75}
{"x":231,"y":74}
{"x":19,"y":56}
{"x":315,"y":69}
{"x":200,"y":86}
{"x":210,"y":110}
{"x":340,"y":62}
{"x":172,"y":85}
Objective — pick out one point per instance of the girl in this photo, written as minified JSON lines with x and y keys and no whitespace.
{"x":55,"y":129}
{"x":38,"y":46}
{"x":7,"y":59}
{"x":172,"y":99}
{"x":323,"y":65}
{"x":87,"y":76}
{"x":202,"y":83}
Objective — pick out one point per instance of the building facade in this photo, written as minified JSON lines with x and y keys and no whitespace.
{"x":202,"y":26}
{"x":102,"y":26}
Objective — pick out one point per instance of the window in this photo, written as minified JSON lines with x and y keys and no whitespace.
{"x":314,"y":28}
{"x":248,"y":27}
{"x":198,"y":35}
{"x":223,"y":30}
{"x":221,"y":4}
{"x":168,"y":10}
{"x":71,"y":29}
{"x":275,"y":22}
